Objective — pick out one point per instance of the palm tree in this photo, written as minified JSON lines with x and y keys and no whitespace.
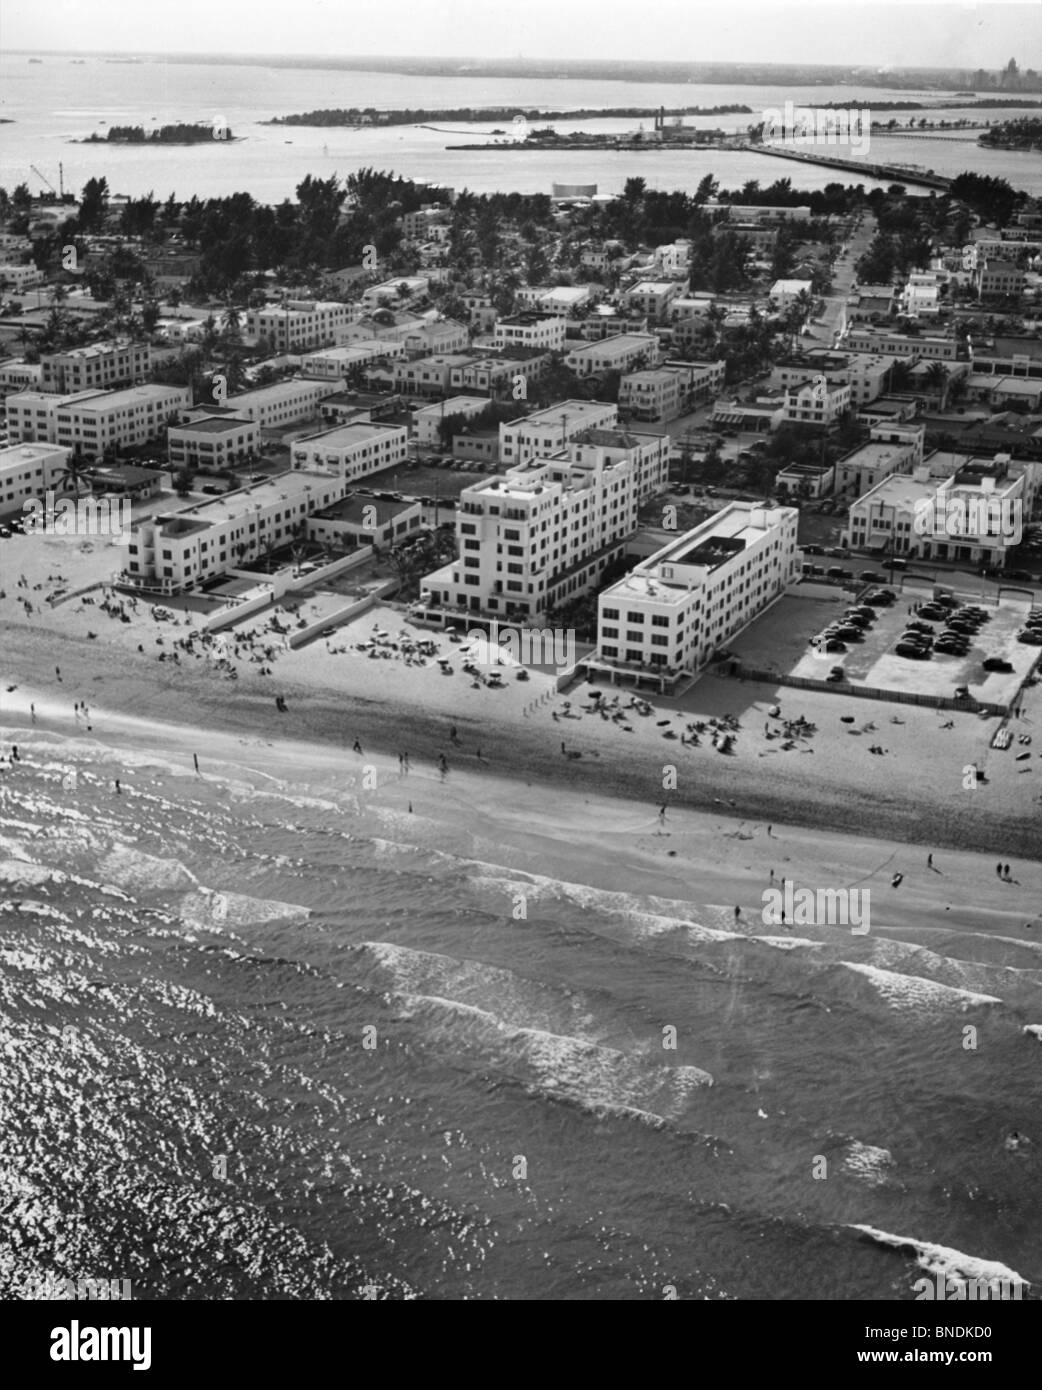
{"x":73,"y":474}
{"x":937,"y":377}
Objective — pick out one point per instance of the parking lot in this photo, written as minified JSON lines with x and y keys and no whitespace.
{"x":779,"y":641}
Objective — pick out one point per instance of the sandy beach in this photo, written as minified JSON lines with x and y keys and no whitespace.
{"x":915,"y":794}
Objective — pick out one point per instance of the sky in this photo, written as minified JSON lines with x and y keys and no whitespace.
{"x":906,"y":33}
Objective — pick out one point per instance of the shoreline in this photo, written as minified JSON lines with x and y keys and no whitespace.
{"x":578,"y":838}
{"x":527,"y":752}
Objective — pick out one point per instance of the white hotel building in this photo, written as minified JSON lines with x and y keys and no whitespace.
{"x":98,"y":367}
{"x":284,"y":403}
{"x":28,"y":470}
{"x":352,"y":451}
{"x":93,"y":421}
{"x":546,"y":431}
{"x":180,"y":550}
{"x":545,"y":531}
{"x":299,"y":323}
{"x":668,"y":616}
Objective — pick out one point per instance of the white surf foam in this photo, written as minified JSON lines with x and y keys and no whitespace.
{"x":942,"y":1259}
{"x":916,"y":995}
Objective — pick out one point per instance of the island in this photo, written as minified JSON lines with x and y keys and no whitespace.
{"x":355,"y":116}
{"x":180,"y":134}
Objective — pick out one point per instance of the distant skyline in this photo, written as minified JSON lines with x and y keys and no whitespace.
{"x":921,"y":33}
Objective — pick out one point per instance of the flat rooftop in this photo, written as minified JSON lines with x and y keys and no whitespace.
{"x":360,"y":509}
{"x":214,"y":424}
{"x":575,"y":410}
{"x":278,"y":391}
{"x":356,"y":432}
{"x":130,"y":395}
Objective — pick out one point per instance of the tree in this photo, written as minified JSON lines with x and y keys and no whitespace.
{"x":93,"y":204}
{"x":74,"y":475}
{"x":183,"y":481}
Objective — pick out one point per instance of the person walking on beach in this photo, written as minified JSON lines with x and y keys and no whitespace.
{"x":443,"y":763}
{"x":769,"y":829}
{"x":929,"y":861}
{"x":453,"y":734}
{"x":998,"y":870}
{"x":14,"y":753}
{"x":662,"y":815}
{"x":737,"y":913}
{"x":118,"y":789}
{"x":405,"y":759}
{"x":195,"y":759}
{"x":58,"y":672}
{"x":357,"y":747}
{"x":32,"y":713}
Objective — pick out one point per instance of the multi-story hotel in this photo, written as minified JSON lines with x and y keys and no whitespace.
{"x":669,"y":615}
{"x":981,"y":493}
{"x":817,"y":403}
{"x":544,"y":432}
{"x":667,"y":391}
{"x":299,"y":323}
{"x":182,"y":549}
{"x":352,"y":451}
{"x":545,"y":531}
{"x":99,"y":367}
{"x":27,"y":470}
{"x":92,"y":421}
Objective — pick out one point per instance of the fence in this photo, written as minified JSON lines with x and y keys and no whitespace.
{"x":735,"y":669}
{"x":341,"y":615}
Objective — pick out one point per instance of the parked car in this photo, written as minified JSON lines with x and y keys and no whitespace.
{"x":814,"y":550}
{"x":871,"y":577}
{"x":916,"y":626}
{"x":1032,"y":636}
{"x":913,"y":650}
{"x":1021,"y":575}
{"x":996,"y":663}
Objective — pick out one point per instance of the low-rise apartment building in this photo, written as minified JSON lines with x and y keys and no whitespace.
{"x":429,"y":376}
{"x":26,"y":471}
{"x":212,"y":439}
{"x":281,"y":404}
{"x":531,"y":329}
{"x":392,"y":294}
{"x":429,"y":418}
{"x":352,"y":451}
{"x":21,"y":277}
{"x":180,"y":550}
{"x":669,"y":615}
{"x":545,"y":530}
{"x":921,"y":345}
{"x":99,"y":367}
{"x":1000,"y":279}
{"x":910,"y":513}
{"x":335,"y":363}
{"x":299,"y":323}
{"x":498,"y":374}
{"x":890,"y":449}
{"x":90,"y":422}
{"x":818,"y":403}
{"x":363,"y":520}
{"x":652,"y":297}
{"x":546,"y":431}
{"x":618,"y":354}
{"x":667,"y":391}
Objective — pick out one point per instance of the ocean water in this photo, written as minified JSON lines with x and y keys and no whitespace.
{"x":55,"y":103}
{"x":262,"y":1040}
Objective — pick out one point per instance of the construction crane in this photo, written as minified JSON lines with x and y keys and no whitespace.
{"x":60,"y":190}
